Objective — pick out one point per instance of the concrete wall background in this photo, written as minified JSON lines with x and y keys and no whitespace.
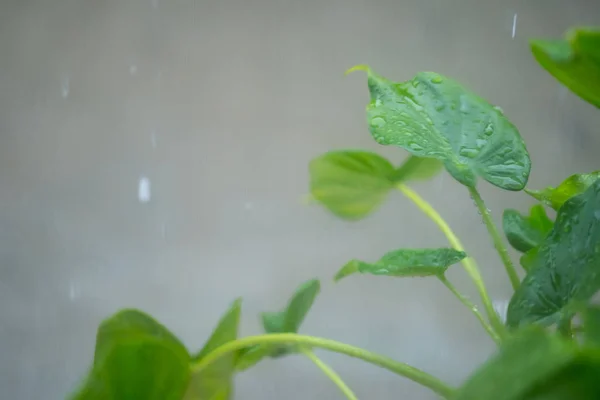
{"x":221,"y":105}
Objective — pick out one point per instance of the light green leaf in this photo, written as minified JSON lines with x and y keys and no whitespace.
{"x":136,"y":357}
{"x":574,"y":62}
{"x":565,"y":268}
{"x":572,"y":186}
{"x":525,"y":233}
{"x":406,"y":263}
{"x":529,"y":359}
{"x":215,"y":381}
{"x":351,"y":183}
{"x":417,"y":169}
{"x":435,"y":117}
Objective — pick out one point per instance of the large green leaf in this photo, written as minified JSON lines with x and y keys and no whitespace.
{"x":525,"y":233}
{"x":572,"y":186}
{"x":215,"y":381}
{"x":524,"y":362}
{"x":565,"y":268}
{"x":353,"y":183}
{"x":136,"y":358}
{"x":575,"y":62}
{"x":434,"y":116}
{"x":406,"y":263}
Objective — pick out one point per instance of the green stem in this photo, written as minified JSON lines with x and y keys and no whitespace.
{"x":335,"y":378}
{"x":469,"y":304}
{"x":399,"y":368}
{"x":468,"y":262}
{"x":496,"y":238}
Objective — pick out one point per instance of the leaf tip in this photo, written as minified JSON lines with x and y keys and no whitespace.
{"x":349,"y":268}
{"x":359,"y":67}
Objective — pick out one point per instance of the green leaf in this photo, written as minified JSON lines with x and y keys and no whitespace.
{"x":565,"y":268}
{"x":525,"y":233}
{"x":406,"y":263}
{"x":417,"y":169}
{"x":435,"y":117}
{"x":572,"y":186}
{"x":524,"y":361}
{"x":215,"y":381}
{"x":574,"y":62}
{"x":351,"y":183}
{"x":136,"y":357}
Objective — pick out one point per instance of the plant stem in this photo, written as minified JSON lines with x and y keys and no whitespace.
{"x":399,"y":368}
{"x":496,"y":238}
{"x":469,"y":304}
{"x":335,"y":378}
{"x":468,"y":262}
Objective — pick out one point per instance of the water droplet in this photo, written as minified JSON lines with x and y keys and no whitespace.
{"x":499,"y":109}
{"x":489,"y":130}
{"x":380,"y":139}
{"x":436,"y":79}
{"x":415,"y":146}
{"x":65,"y":87}
{"x":378,"y":122}
{"x":468,"y":152}
{"x":464,"y":106}
{"x":514,"y":26}
{"x":144,"y":190}
{"x":480,"y":143}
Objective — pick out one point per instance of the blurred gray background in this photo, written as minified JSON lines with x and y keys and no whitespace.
{"x":154,"y":153}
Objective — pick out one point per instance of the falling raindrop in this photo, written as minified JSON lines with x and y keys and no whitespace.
{"x":144,"y":190}
{"x":153,"y":139}
{"x":65,"y":87}
{"x":514,"y":26}
{"x":73,"y":291}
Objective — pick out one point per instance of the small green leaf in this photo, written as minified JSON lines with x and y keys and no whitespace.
{"x":525,"y":233}
{"x":565,"y":268}
{"x":417,"y":169}
{"x":215,"y":381}
{"x":136,"y":357}
{"x":435,"y":117}
{"x":406,"y":263}
{"x":524,"y":361}
{"x":572,"y":186}
{"x":574,"y":62}
{"x":351,"y":183}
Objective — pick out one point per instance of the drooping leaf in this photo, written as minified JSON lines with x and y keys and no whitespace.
{"x":416,"y":169}
{"x":352,"y":183}
{"x":215,"y":381}
{"x":406,"y":263}
{"x":572,"y":186}
{"x":525,"y":233}
{"x":435,"y":117}
{"x":575,"y":62}
{"x":136,"y":357}
{"x":523,"y":362}
{"x":565,"y":267}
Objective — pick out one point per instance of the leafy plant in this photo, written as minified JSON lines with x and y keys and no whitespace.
{"x":542,"y":353}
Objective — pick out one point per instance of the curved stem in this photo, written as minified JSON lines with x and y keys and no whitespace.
{"x":468,"y":262}
{"x":335,"y":378}
{"x":399,"y":368}
{"x":496,"y":238}
{"x":469,"y":304}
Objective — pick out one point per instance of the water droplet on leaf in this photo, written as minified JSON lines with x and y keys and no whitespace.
{"x":468,"y":152}
{"x":378,"y":122}
{"x":436,"y":79}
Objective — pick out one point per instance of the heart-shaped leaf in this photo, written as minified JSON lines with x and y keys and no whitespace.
{"x":136,"y":357}
{"x":215,"y":381}
{"x":565,"y":268}
{"x":434,"y":116}
{"x":406,"y":263}
{"x":525,"y":233}
{"x":572,"y":186}
{"x":575,"y":62}
{"x":523,"y":363}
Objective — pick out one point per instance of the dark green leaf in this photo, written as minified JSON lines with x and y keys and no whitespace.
{"x":572,"y":186}
{"x":352,"y":183}
{"x":591,"y":323}
{"x":524,"y":361}
{"x":433,"y":116}
{"x":525,"y":233}
{"x":416,"y":169}
{"x":574,"y":62}
{"x":136,"y":357}
{"x":406,"y":263}
{"x":566,"y":267}
{"x":215,"y":381}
